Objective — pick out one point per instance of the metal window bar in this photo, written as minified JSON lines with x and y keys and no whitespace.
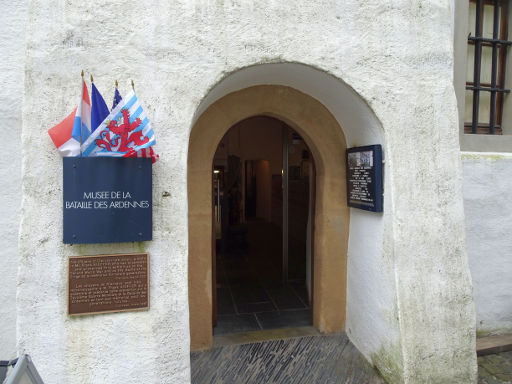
{"x":476,"y":65}
{"x":502,"y":58}
{"x":492,"y":115}
{"x":489,"y":41}
{"x":496,"y":85}
{"x":488,"y":89}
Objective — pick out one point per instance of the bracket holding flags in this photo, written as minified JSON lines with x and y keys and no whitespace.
{"x":107,"y":156}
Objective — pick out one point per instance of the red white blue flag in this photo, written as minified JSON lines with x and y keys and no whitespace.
{"x":99,"y":109}
{"x":69,"y":134}
{"x":82,"y":124}
{"x":125,"y":131}
{"x":61,"y":137}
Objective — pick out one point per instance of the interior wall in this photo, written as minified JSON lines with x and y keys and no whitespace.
{"x":256,"y":138}
{"x":263,"y":190}
{"x":295,"y":149}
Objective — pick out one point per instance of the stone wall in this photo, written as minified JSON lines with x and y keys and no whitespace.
{"x":12,"y":48}
{"x":487,"y":186}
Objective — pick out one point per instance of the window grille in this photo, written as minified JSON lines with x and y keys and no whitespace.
{"x":487,"y":53}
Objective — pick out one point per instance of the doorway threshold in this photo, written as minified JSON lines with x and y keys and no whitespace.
{"x":263,"y":335}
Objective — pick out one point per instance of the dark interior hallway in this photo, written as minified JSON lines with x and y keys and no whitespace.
{"x":260,"y":166}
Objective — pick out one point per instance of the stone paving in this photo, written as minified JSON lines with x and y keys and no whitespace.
{"x":329,"y":359}
{"x":495,"y":369}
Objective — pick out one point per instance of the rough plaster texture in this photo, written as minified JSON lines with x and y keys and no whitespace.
{"x":12,"y":53}
{"x":487,"y":185}
{"x":397,"y":55}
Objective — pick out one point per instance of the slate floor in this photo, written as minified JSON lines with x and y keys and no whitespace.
{"x":250,"y":293}
{"x":306,"y":360}
{"x":253,"y":307}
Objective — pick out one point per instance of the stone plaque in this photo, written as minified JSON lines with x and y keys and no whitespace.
{"x":108,"y":283}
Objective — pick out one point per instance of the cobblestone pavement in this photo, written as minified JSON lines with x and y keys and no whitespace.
{"x":495,"y":369}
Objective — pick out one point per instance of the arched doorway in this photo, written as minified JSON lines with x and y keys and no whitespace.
{"x":263,"y":195}
{"x":326,"y":140}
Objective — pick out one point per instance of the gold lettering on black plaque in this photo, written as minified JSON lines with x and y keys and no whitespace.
{"x":108,"y":283}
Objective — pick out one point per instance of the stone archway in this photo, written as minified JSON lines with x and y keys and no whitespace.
{"x":326,"y":141}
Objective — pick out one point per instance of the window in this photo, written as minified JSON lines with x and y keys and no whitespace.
{"x":485,"y":75}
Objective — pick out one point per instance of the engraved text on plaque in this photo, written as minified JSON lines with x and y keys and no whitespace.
{"x":108,"y":283}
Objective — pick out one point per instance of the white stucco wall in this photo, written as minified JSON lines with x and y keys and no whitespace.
{"x":487,"y":186}
{"x":12,"y":53}
{"x":396,"y":55}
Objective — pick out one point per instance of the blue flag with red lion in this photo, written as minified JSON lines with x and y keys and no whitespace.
{"x":125,"y":131}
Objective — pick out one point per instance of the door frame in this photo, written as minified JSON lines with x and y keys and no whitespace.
{"x":326,"y":141}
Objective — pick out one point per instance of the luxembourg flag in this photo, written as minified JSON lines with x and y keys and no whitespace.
{"x":82,"y":124}
{"x":125,"y":130}
{"x":146,"y":152}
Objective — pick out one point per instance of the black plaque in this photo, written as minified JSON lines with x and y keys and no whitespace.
{"x":364,"y":178}
{"x":106,"y":200}
{"x":108,"y":283}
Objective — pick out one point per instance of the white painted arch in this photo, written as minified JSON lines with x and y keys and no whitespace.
{"x":371,"y":294}
{"x":360,"y":125}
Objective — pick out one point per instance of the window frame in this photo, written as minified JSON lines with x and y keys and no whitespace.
{"x":496,"y":87}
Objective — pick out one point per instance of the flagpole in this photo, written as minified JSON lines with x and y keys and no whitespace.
{"x":81,"y":98}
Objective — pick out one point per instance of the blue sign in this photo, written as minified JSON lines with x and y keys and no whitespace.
{"x":364,"y":178}
{"x":107,"y":200}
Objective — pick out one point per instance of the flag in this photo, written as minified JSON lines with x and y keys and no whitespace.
{"x":82,"y":123}
{"x":61,"y":136}
{"x":117,"y":98}
{"x":146,"y":152}
{"x":125,"y":130}
{"x":99,"y":109}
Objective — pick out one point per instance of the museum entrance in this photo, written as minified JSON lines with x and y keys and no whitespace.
{"x":262,"y":208}
{"x":306,"y":121}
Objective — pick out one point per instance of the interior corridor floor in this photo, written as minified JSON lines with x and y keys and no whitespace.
{"x":246,"y":303}
{"x":250,"y":293}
